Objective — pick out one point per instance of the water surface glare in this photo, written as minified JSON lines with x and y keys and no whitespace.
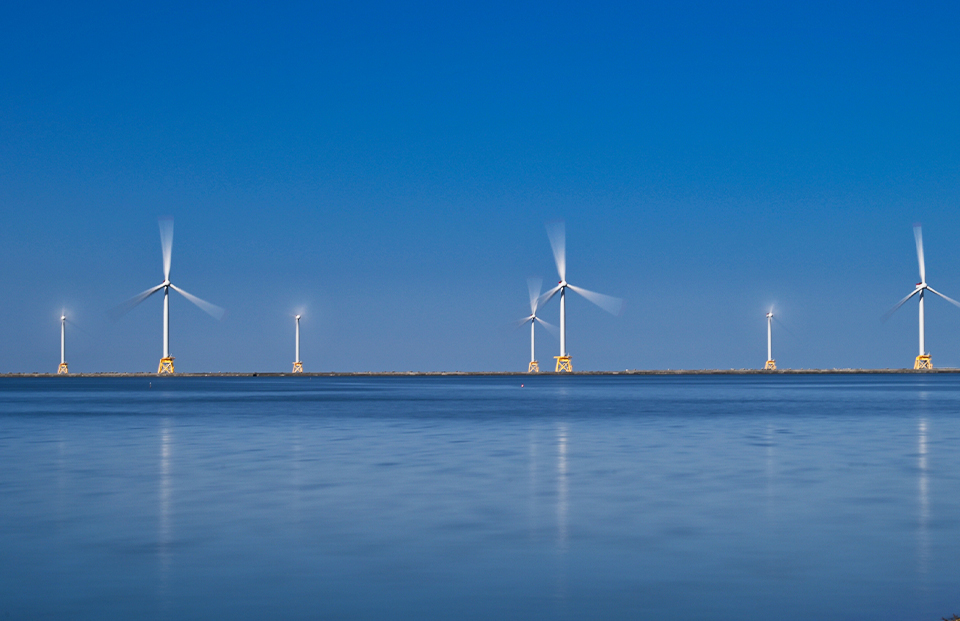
{"x":642,"y":497}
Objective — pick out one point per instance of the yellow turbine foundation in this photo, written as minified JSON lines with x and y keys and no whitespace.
{"x":297,"y":367}
{"x":534,"y":367}
{"x":166,"y":366}
{"x":770,"y":366}
{"x":923,"y":362}
{"x":62,"y":369}
{"x":563,"y":364}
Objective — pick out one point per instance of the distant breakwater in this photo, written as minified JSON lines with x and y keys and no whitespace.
{"x":663,"y":372}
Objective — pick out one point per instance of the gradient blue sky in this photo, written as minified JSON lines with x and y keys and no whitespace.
{"x":389,"y":168}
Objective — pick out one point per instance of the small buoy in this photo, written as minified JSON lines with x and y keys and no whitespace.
{"x":521,"y":385}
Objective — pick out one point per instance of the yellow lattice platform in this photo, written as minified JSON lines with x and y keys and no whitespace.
{"x":166,"y":366}
{"x":563,"y":364}
{"x":923,"y":362}
{"x":62,"y":369}
{"x":534,"y":367}
{"x":297,"y":367}
{"x":770,"y":366}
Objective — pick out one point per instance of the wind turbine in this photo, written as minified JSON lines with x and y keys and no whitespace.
{"x":297,"y":364}
{"x":558,"y":241}
{"x":923,"y":360}
{"x":166,"y":242}
{"x":533,"y":286}
{"x":771,"y":363}
{"x":62,"y":369}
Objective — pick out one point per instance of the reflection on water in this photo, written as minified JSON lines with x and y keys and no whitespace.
{"x":164,"y":531}
{"x":532,"y":487}
{"x":466,"y":498}
{"x":562,"y":486}
{"x":922,"y":534}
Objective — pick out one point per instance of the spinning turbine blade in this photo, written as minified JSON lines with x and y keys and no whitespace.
{"x":525,"y":321}
{"x":552,"y":329}
{"x":119,"y":311}
{"x":533,"y":286}
{"x":166,"y":242}
{"x":951,"y":300}
{"x":556,"y":231}
{"x":612,"y":305}
{"x":211,"y":309}
{"x":784,"y":326}
{"x":918,"y":235}
{"x":887,"y":314}
{"x":543,"y":299}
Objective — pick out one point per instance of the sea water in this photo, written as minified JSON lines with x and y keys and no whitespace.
{"x":508,"y":497}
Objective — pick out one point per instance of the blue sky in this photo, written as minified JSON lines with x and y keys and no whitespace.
{"x":388,"y":169}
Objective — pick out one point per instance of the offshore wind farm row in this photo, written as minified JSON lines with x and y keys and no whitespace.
{"x":556,"y":233}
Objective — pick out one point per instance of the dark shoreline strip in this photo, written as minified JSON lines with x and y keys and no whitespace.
{"x":506,"y":373}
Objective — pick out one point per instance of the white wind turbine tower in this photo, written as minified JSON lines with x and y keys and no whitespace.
{"x":166,"y":241}
{"x":558,"y":241}
{"x":923,"y":359}
{"x":533,"y":285}
{"x":771,"y":363}
{"x":297,"y":364}
{"x":62,"y":369}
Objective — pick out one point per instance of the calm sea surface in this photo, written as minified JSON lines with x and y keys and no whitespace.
{"x":770,"y":497}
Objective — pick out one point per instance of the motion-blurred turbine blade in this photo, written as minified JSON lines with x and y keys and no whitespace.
{"x":166,"y":242}
{"x":556,"y":231}
{"x":918,"y":236}
{"x":211,"y":309}
{"x":522,"y":322}
{"x":119,"y":311}
{"x":552,"y":329}
{"x":786,"y":328}
{"x":543,"y":299}
{"x":73,"y":324}
{"x":612,"y":305}
{"x":887,"y":314}
{"x":533,"y":286}
{"x":951,"y":300}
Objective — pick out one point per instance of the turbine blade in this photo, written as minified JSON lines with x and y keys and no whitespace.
{"x":122,"y":309}
{"x":780,"y":323}
{"x":534,"y":285}
{"x":75,"y":325}
{"x":166,"y":242}
{"x":887,"y":314}
{"x":951,"y":300}
{"x":918,"y":236}
{"x":552,"y":329}
{"x":612,"y":305}
{"x":556,"y":231}
{"x":543,"y":299}
{"x":522,"y":322}
{"x":211,"y":309}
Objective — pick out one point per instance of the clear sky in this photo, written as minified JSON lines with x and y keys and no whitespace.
{"x":388,"y":169}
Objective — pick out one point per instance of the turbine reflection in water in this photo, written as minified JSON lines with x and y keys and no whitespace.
{"x":164,"y":530}
{"x":561,"y":593}
{"x":532,"y":490}
{"x":923,"y":537}
{"x":562,"y":487}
